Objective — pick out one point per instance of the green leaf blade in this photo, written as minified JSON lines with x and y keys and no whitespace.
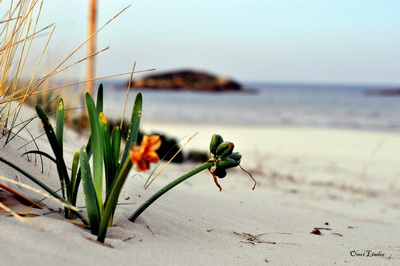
{"x":116,"y":145}
{"x":133,"y":127}
{"x":92,"y":205}
{"x":97,"y":148}
{"x":112,"y":199}
{"x":100,"y":98}
{"x":109,"y":165}
{"x":52,"y":138}
{"x":60,"y":124}
{"x":74,"y":177}
{"x":42,"y":185}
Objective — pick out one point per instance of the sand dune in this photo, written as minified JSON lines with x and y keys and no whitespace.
{"x":346,"y":183}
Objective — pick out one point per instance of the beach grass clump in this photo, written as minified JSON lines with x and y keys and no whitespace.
{"x":19,"y":81}
{"x":18,"y":30}
{"x":103,"y":149}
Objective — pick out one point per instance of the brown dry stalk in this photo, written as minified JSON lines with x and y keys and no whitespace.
{"x":36,"y":85}
{"x":12,"y":97}
{"x":127,"y":93}
{"x":23,"y":59}
{"x":252,"y":239}
{"x":44,"y":194}
{"x":22,"y":214}
{"x":19,"y":217}
{"x":33,"y":92}
{"x":14,"y":34}
{"x":75,"y":83}
{"x":19,"y":195}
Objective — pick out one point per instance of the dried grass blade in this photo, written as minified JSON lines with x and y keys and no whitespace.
{"x":52,"y":196}
{"x":20,"y":218}
{"x":148,"y":183}
{"x":127,"y":95}
{"x":9,"y":99}
{"x":24,"y":199}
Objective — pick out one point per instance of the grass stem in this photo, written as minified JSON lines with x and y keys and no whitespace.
{"x":161,"y":192}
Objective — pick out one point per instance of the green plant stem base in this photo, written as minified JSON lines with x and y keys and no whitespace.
{"x":161,"y":192}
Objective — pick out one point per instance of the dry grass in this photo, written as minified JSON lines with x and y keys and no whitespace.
{"x":17,"y":35}
{"x":20,"y":80}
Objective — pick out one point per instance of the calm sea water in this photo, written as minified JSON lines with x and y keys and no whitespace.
{"x":271,"y":104}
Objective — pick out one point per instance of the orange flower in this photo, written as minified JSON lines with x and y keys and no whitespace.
{"x":145,"y":154}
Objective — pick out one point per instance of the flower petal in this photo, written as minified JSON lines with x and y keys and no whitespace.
{"x":145,"y":154}
{"x":154,"y":142}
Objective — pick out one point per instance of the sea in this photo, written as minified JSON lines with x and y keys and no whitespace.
{"x":268,"y":104}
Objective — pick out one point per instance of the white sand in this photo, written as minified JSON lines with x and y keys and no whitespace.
{"x":346,"y":182}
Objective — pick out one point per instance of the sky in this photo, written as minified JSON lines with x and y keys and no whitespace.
{"x":321,"y":41}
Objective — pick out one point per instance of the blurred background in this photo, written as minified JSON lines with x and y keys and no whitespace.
{"x":311,"y":62}
{"x":315,"y":41}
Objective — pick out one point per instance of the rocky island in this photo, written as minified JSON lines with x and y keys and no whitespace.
{"x":382,"y":92}
{"x":187,"y":80}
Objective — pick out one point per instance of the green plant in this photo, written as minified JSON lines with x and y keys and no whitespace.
{"x":69,"y":185}
{"x":18,"y":31}
{"x":46,"y":188}
{"x":106,"y":150}
{"x":222,"y":159}
{"x":104,"y":147}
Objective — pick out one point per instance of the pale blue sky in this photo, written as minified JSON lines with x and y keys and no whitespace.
{"x":336,"y":41}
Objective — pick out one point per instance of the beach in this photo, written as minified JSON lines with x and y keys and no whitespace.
{"x":304,"y":95}
{"x":341,"y":184}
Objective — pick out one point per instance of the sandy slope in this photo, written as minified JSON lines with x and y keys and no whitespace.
{"x":345,"y":182}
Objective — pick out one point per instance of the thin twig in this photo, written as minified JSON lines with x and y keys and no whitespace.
{"x":75,"y":83}
{"x":40,"y":193}
{"x":255,"y":182}
{"x":165,"y":166}
{"x":19,"y":217}
{"x":127,"y":94}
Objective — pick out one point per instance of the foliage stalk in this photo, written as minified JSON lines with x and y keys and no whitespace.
{"x":165,"y":189}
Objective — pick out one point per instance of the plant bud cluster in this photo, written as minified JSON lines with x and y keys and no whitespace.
{"x":224,"y":156}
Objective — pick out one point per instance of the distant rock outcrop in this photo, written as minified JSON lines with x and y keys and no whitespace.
{"x":383,"y":92}
{"x":187,"y":80}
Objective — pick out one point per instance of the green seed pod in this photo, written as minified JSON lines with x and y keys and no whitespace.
{"x":220,"y":172}
{"x":216,"y":140}
{"x":236,"y":156}
{"x":227,"y":163}
{"x":225,"y":149}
